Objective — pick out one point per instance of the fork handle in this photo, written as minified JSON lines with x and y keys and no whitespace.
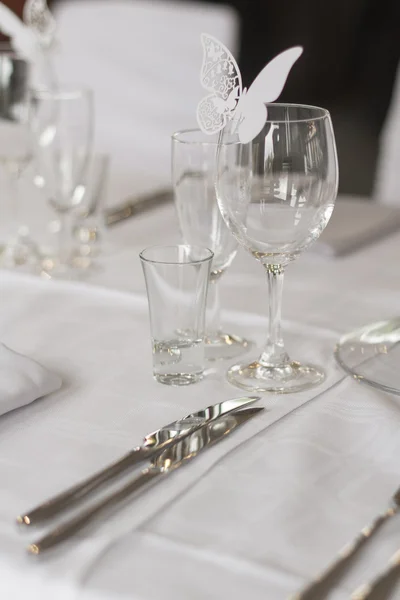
{"x":67,"y":529}
{"x":316,"y":589}
{"x":58,"y":503}
{"x":366,"y":590}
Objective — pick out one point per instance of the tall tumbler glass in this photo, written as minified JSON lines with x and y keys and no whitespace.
{"x":193,"y":178}
{"x":62,"y":123}
{"x":177,"y":281}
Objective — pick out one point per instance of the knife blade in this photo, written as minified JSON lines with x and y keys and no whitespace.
{"x":161,"y":466}
{"x":153,"y":443}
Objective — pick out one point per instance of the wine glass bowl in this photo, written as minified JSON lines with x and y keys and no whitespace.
{"x":276,"y":195}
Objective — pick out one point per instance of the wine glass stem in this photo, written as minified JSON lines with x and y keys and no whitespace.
{"x":213,"y":325}
{"x":64,"y":238}
{"x":274,"y":354}
{"x":13,"y":182}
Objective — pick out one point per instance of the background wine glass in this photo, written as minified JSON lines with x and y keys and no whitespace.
{"x":15,"y":151}
{"x":276,"y":195}
{"x":193,"y":177}
{"x":62,"y":124}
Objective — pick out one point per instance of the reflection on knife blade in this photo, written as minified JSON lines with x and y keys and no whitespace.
{"x":162,"y":465}
{"x":153,"y":443}
{"x":137,"y":206}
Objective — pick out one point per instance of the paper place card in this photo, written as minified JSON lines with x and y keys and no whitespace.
{"x":220,"y":75}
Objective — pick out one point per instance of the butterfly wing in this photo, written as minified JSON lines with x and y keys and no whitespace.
{"x":40,"y":20}
{"x":266,"y":87}
{"x":220,"y":75}
{"x":253,"y":116}
{"x":22,"y":39}
{"x":211,"y":116}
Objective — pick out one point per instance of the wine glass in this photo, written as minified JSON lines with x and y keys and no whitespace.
{"x":62,"y":124}
{"x":193,"y":178}
{"x":15,"y":149}
{"x":276,"y":195}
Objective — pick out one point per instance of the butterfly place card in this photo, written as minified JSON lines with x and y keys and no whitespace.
{"x":39,"y":19}
{"x":220,"y":76}
{"x":33,"y":36}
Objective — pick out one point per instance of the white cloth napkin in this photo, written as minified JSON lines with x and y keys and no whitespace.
{"x":22,"y":380}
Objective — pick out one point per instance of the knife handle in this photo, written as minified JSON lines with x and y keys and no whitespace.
{"x":67,"y":529}
{"x":58,"y":503}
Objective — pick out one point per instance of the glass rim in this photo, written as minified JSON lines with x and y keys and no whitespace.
{"x":176,"y":137}
{"x":72,"y":92}
{"x":324,"y":113}
{"x":175,"y":263}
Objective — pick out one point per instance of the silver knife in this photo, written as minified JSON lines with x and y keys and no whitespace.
{"x":161,"y":466}
{"x":153,"y":443}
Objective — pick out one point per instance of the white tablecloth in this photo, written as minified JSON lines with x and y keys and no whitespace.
{"x":255,"y":517}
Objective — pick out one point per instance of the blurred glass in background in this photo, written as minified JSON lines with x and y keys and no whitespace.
{"x":88,"y":216}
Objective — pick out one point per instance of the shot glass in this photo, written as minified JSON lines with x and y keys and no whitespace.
{"x":177,"y":281}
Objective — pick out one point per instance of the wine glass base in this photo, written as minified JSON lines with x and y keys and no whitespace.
{"x":178,"y":379}
{"x":293,"y":377}
{"x":76,"y":267}
{"x":18,"y":254}
{"x":225,"y":346}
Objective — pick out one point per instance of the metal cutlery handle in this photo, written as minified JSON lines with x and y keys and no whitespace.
{"x":175,"y":456}
{"x":137,"y":206}
{"x":317,"y":589}
{"x":366,"y":590}
{"x":66,"y":499}
{"x":154,"y":444}
{"x":67,"y":529}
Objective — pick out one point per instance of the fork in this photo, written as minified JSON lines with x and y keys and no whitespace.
{"x":366,"y":590}
{"x":317,"y":587}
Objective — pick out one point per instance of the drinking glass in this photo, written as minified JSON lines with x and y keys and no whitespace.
{"x":15,"y":149}
{"x":89,"y":225}
{"x":193,"y":178}
{"x":62,"y":124}
{"x":176,"y":281}
{"x":276,"y":195}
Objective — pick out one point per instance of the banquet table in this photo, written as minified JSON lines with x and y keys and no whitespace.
{"x":255,"y":517}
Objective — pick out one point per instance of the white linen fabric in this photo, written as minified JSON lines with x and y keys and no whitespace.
{"x":142,"y":58}
{"x":23,"y":380}
{"x":256,"y":516}
{"x":259,"y":514}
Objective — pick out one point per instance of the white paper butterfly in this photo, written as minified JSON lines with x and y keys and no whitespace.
{"x":39,"y":19}
{"x":34,"y":36}
{"x":22,"y":39}
{"x":220,"y":75}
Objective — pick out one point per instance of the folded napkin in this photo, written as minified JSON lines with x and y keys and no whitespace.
{"x":22,"y":380}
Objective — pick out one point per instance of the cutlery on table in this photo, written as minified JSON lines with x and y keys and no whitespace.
{"x":367,"y":590}
{"x":161,"y":466}
{"x":137,"y":206}
{"x":152,"y":444}
{"x":321,"y":584}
